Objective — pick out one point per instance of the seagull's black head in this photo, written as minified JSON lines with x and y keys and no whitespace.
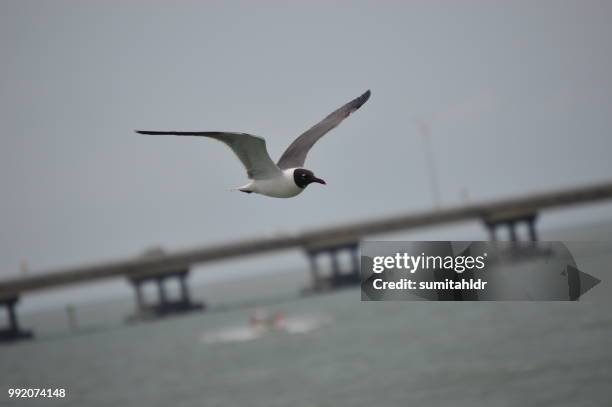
{"x":303,"y":177}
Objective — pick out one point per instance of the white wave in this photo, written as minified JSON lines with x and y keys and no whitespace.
{"x":299,"y":324}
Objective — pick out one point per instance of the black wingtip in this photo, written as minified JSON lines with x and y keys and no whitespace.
{"x":364,"y":98}
{"x":358,"y":102}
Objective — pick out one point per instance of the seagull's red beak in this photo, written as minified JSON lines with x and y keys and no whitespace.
{"x":319,"y":181}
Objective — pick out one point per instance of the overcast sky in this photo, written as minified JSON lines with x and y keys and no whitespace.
{"x":518,"y":96}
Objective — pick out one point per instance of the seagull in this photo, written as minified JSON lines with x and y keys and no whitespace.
{"x":288,"y":177}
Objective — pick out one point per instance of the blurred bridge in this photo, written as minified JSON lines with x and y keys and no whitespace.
{"x":328,"y":241}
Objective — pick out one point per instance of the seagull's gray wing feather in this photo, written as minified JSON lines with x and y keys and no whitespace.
{"x":295,"y":154}
{"x":251,"y":150}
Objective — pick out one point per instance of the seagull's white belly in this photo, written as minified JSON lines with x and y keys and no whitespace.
{"x":279,"y":187}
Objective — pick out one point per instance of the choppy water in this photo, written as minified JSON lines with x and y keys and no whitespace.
{"x":382,"y":354}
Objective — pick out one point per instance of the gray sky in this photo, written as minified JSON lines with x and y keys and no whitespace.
{"x":518,"y":96}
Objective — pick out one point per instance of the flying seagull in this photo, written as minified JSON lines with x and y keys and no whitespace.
{"x":288,"y":177}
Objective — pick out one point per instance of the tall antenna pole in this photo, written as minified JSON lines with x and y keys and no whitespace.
{"x":431,"y":163}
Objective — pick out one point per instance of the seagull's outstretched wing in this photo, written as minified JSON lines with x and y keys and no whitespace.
{"x":295,"y":154}
{"x":251,"y":150}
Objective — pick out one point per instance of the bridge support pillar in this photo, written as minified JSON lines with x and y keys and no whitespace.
{"x":12,"y":332}
{"x":533,"y":236}
{"x":512,"y":230}
{"x":511,"y":222}
{"x":185,"y":296}
{"x":492,"y":231}
{"x":338,"y":276}
{"x":140,"y":303}
{"x":165,"y":305}
{"x":161,"y":290}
